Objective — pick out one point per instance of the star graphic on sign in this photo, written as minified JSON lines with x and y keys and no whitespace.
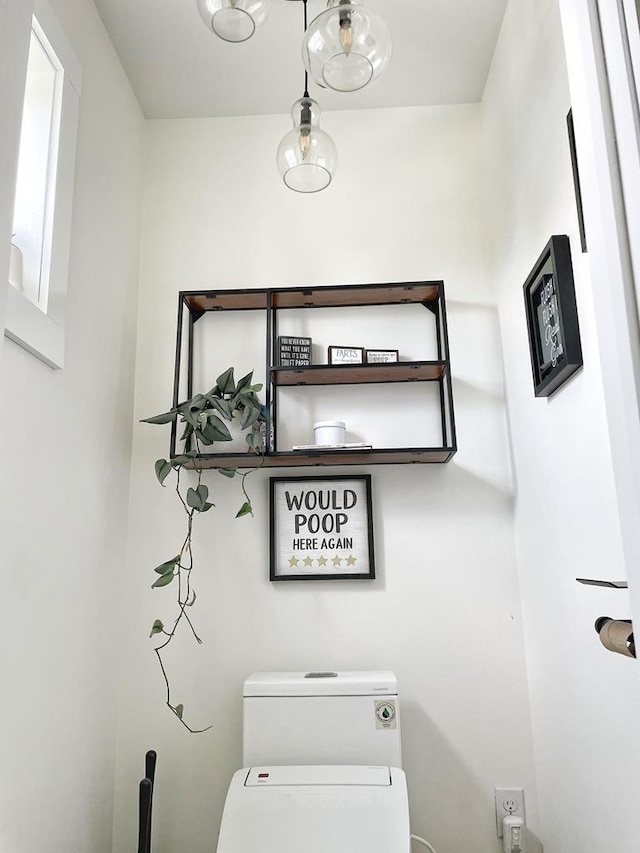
{"x":322,"y":561}
{"x":351,"y":560}
{"x":336,"y":560}
{"x":293,"y":561}
{"x":307,"y":560}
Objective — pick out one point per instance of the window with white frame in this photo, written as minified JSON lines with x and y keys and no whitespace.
{"x":44,"y":190}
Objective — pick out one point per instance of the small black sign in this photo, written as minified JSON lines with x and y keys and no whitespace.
{"x":294,"y":352}
{"x":552,"y":318}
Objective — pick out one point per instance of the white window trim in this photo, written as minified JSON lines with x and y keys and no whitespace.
{"x":42,"y":334}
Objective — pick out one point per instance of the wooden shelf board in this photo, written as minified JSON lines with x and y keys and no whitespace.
{"x":226,"y":300}
{"x":315,"y":297}
{"x":345,"y":374}
{"x":291,"y":459}
{"x":373,"y":294}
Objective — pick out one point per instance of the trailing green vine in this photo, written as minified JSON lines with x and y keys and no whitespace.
{"x":204,"y":419}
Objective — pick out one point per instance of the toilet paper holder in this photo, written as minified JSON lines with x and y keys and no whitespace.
{"x":616,"y":635}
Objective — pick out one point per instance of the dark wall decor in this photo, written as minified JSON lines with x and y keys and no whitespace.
{"x":576,"y":180}
{"x":294,"y":352}
{"x":552,"y":318}
{"x":321,"y":528}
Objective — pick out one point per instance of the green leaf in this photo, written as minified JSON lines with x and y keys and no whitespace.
{"x":196,"y":404}
{"x":249,"y":417}
{"x":227,"y":472}
{"x":193,"y":499}
{"x":183,"y":458}
{"x":225,"y":382}
{"x":197,"y":498}
{"x":246,"y":380}
{"x":245,"y":509}
{"x":190,"y":416}
{"x":207,"y":506}
{"x":156,"y":628}
{"x":163,"y":580}
{"x":169,"y":566}
{"x":218,"y":429}
{"x":165,"y":418}
{"x":179,"y":711}
{"x":222,"y":406}
{"x":188,"y":429}
{"x":254,"y":440}
{"x":163,"y":468}
{"x":251,"y":401}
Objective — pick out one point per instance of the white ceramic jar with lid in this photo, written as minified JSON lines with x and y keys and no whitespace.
{"x":329,"y":432}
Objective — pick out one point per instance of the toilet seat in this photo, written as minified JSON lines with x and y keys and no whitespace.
{"x":316,"y":809}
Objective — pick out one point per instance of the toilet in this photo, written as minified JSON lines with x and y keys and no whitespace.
{"x":321,"y":767}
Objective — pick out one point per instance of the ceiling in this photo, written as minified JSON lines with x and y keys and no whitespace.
{"x":442,"y":51}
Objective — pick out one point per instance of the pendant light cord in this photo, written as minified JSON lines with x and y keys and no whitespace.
{"x":306,"y":73}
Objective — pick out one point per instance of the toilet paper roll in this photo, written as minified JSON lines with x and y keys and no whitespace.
{"x":617,"y":636}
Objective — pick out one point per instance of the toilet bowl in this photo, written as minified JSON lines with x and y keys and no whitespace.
{"x":322,"y":767}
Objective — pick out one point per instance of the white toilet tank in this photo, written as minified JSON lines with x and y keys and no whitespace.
{"x":317,"y":718}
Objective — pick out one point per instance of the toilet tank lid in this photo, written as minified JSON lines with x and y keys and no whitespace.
{"x":317,"y":683}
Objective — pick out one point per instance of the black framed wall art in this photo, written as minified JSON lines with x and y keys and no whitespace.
{"x":552,"y":318}
{"x":321,"y":528}
{"x":576,"y":180}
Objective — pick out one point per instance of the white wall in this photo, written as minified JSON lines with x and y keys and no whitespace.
{"x":65,"y":448}
{"x":584,"y":700}
{"x":444,"y":612}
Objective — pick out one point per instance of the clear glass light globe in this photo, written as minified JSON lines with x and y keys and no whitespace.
{"x":233,"y":20}
{"x":346,"y":46}
{"x":307,"y":155}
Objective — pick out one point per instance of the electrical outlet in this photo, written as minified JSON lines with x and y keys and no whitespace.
{"x":509,"y":802}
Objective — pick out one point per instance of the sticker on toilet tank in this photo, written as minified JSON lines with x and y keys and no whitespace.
{"x":385,"y":714}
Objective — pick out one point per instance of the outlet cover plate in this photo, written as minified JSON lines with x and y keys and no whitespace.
{"x":509,"y":802}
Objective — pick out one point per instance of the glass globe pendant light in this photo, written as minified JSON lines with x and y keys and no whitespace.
{"x":346,"y":46}
{"x":233,"y":20}
{"x":307,"y":155}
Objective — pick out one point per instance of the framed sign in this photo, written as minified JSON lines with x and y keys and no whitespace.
{"x":552,"y":318}
{"x":380,"y":356}
{"x":294,"y":352}
{"x":346,"y":355}
{"x":321,"y":528}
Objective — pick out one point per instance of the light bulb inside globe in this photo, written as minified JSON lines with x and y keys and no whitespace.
{"x":304,"y":141}
{"x":346,"y":32}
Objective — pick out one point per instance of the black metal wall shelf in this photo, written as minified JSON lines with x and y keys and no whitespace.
{"x":193,"y":305}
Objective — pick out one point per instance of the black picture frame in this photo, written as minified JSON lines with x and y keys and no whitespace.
{"x":552,"y":318}
{"x":294,"y":351}
{"x":321,"y":528}
{"x":576,"y":180}
{"x":381,"y":356}
{"x":345,"y":355}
